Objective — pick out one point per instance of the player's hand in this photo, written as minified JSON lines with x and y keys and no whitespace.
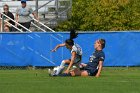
{"x":54,"y":50}
{"x":97,"y":76}
{"x":66,"y":72}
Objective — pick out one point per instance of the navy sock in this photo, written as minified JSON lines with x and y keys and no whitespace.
{"x":65,"y":75}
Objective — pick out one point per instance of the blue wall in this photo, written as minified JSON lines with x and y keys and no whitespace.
{"x":23,"y":49}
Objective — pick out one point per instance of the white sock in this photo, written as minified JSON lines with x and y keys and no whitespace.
{"x":61,"y":67}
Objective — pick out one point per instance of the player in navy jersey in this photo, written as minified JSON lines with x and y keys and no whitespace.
{"x":95,"y":64}
{"x":76,"y":54}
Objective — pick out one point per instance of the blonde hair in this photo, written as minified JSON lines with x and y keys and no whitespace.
{"x":102,"y":42}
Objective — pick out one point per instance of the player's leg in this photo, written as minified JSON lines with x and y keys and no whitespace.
{"x":62,"y":65}
{"x":78,"y":72}
{"x":84,"y":73}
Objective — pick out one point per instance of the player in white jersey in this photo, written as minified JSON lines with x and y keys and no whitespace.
{"x":76,"y":48}
{"x":76,"y":54}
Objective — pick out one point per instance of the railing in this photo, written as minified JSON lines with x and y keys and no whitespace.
{"x":42,"y":25}
{"x":22,"y":25}
{"x":11,"y":24}
{"x":57,"y":14}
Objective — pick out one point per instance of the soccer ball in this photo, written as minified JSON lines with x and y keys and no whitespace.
{"x":55,"y":69}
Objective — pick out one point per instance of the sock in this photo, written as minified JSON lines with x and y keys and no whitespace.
{"x":65,"y":75}
{"x":61,"y":67}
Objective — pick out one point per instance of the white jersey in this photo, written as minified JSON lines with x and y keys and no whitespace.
{"x":76,"y":48}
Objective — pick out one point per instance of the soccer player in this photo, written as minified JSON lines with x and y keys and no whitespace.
{"x":95,"y":64}
{"x":76,"y":54}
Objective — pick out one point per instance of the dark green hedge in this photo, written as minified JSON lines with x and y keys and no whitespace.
{"x":103,"y":15}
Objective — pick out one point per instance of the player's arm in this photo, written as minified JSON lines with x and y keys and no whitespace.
{"x":72,"y":61}
{"x":59,"y":45}
{"x":100,"y":66}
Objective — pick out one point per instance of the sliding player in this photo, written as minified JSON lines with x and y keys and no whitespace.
{"x":76,"y":54}
{"x":95,"y":64}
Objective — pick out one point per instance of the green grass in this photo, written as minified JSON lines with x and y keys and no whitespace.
{"x":113,"y":80}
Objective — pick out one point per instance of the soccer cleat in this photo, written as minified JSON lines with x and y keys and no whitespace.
{"x":52,"y":72}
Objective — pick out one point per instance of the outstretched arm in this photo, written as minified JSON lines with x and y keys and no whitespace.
{"x":100,"y":66}
{"x":59,"y":45}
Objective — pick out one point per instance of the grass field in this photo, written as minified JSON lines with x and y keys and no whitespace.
{"x":113,"y":80}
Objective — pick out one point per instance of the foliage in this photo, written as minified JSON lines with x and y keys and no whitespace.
{"x":103,"y":15}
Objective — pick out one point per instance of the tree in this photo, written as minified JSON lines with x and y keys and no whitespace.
{"x":103,"y":15}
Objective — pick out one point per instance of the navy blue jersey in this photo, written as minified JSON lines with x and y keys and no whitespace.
{"x":94,"y":60}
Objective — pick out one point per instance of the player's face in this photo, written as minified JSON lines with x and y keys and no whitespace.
{"x":68,"y":46}
{"x":97,"y":44}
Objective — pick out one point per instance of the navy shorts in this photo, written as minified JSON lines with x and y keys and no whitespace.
{"x":91,"y":72}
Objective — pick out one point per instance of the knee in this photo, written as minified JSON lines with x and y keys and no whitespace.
{"x":84,"y":73}
{"x":63,"y":62}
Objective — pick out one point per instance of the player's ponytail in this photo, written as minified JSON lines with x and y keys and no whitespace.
{"x":73,"y":35}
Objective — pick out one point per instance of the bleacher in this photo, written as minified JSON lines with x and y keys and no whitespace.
{"x":14,"y":4}
{"x":47,"y":14}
